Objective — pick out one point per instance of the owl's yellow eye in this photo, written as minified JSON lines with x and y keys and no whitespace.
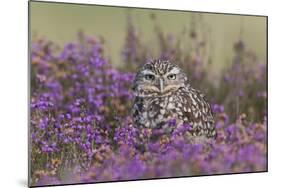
{"x":171,"y":77}
{"x":149,"y":77}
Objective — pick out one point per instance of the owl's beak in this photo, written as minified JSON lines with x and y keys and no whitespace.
{"x":161,"y":85}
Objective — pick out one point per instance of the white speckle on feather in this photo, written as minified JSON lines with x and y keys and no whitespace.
{"x":170,"y":106}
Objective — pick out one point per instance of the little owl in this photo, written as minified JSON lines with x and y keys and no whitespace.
{"x":162,"y":92}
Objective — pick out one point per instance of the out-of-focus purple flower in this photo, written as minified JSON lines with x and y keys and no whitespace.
{"x":218,"y":108}
{"x":172,"y":122}
{"x":48,"y":180}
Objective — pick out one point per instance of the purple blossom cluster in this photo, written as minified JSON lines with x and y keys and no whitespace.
{"x":81,"y":128}
{"x":239,"y":147}
{"x":73,"y":112}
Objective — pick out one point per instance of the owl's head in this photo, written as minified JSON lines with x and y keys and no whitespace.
{"x":159,"y":78}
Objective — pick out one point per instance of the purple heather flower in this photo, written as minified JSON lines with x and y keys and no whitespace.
{"x":80,"y":114}
{"x":48,"y":180}
{"x":218,"y":108}
{"x":172,"y":122}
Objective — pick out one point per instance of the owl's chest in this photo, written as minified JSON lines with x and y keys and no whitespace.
{"x":155,"y":112}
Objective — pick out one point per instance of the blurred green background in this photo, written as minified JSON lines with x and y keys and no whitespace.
{"x":61,"y":22}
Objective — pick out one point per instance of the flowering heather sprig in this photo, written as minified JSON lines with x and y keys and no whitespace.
{"x":244,"y":84}
{"x":133,"y":52}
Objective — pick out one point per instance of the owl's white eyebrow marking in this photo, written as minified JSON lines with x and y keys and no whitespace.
{"x":174,"y":70}
{"x":147,"y":72}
